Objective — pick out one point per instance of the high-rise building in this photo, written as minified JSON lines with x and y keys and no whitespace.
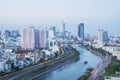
{"x":50,"y":33}
{"x":100,"y":34}
{"x":62,"y":29}
{"x":7,"y":34}
{"x":40,"y":38}
{"x":33,"y":38}
{"x":105,"y":36}
{"x":81,"y":31}
{"x":54,"y":30}
{"x":37,"y":38}
{"x":28,"y":38}
{"x":102,"y":37}
{"x":43,"y":38}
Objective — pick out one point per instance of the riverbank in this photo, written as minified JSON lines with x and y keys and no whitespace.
{"x":86,"y":75}
{"x":96,"y":52}
{"x":93,"y":51}
{"x":47,"y":67}
{"x":39,"y":73}
{"x":74,"y":69}
{"x":48,"y":70}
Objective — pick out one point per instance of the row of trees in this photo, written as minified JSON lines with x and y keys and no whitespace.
{"x":113,"y":68}
{"x":86,"y":75}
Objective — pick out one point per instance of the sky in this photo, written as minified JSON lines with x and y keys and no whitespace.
{"x":95,"y":14}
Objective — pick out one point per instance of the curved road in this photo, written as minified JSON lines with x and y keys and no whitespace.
{"x":100,"y":68}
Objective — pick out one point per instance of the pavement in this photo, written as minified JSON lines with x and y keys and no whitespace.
{"x":100,"y":68}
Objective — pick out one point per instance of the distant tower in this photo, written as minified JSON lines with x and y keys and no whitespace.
{"x":81,"y":31}
{"x":7,"y":34}
{"x":54,"y":30}
{"x":100,"y":34}
{"x":50,"y":33}
{"x":62,"y":29}
{"x":105,"y":36}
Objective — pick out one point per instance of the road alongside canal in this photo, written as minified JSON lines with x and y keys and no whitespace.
{"x":74,"y":70}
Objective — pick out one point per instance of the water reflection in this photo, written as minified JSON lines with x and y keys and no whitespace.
{"x":74,"y":69}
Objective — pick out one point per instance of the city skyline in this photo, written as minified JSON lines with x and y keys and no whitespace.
{"x":45,"y":39}
{"x":95,"y":14}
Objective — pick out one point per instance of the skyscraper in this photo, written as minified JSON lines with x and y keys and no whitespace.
{"x":62,"y":29}
{"x":102,"y":37}
{"x":37,"y":39}
{"x":28,"y":38}
{"x":50,"y":33}
{"x":33,"y":38}
{"x":100,"y":34}
{"x":105,"y":36}
{"x":81,"y":31}
{"x":7,"y":34}
{"x":43,"y":38}
{"x":54,"y":30}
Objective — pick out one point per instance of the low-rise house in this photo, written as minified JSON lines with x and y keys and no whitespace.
{"x":115,"y":50}
{"x":2,"y":62}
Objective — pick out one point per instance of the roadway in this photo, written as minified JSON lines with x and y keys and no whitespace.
{"x":21,"y":72}
{"x":14,"y":75}
{"x":100,"y":68}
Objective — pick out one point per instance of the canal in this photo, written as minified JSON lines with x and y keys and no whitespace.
{"x":74,"y":70}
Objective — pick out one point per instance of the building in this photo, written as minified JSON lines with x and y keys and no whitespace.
{"x":2,"y":45}
{"x":115,"y":50}
{"x":5,"y":65}
{"x":105,"y":36}
{"x":15,"y":33}
{"x":28,"y":38}
{"x":43,"y":38}
{"x":32,"y":38}
{"x":62,"y":29}
{"x":7,"y":35}
{"x":67,"y":34}
{"x":81,"y":31}
{"x":2,"y":62}
{"x":54,"y":30}
{"x":0,"y":35}
{"x":102,"y":37}
{"x":50,"y":33}
{"x":51,"y":43}
{"x":37,"y":38}
{"x":100,"y":34}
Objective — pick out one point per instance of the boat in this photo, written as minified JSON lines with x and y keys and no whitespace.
{"x":85,"y":62}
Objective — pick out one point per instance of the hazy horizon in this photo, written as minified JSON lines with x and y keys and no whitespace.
{"x":95,"y":14}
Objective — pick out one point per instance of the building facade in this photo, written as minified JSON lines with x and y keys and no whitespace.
{"x":28,"y":38}
{"x":81,"y":31}
{"x":102,"y":37}
{"x":33,"y":38}
{"x":62,"y":29}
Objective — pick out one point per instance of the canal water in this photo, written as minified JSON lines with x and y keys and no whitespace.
{"x":74,"y":70}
